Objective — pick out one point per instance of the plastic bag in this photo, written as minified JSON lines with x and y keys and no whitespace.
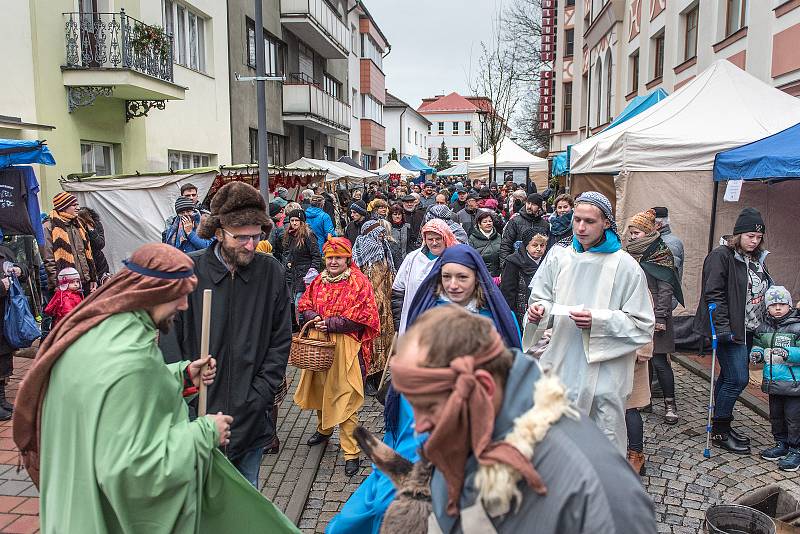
{"x":20,"y":326}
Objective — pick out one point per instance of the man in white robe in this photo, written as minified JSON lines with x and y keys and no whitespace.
{"x":595,"y":298}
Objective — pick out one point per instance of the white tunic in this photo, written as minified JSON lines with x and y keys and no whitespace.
{"x":409,"y":277}
{"x":595,"y":364}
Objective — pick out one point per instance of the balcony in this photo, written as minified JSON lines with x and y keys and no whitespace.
{"x":318,"y":25}
{"x":306,"y":104}
{"x":373,"y":135}
{"x":115,"y":55}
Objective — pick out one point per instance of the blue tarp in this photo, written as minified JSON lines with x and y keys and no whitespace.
{"x":635,"y":106}
{"x":773,"y":158}
{"x":16,"y":152}
{"x":413,"y":163}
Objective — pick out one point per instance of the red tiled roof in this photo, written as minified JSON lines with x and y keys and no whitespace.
{"x":451,"y":102}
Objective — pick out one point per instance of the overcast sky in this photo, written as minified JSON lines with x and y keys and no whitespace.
{"x":433,"y":42}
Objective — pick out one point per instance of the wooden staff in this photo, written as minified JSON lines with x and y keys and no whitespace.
{"x":205,"y":335}
{"x":386,"y":365}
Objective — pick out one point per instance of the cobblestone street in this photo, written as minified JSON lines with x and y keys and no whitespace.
{"x":309,"y":484}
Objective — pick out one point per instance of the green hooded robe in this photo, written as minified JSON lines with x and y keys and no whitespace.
{"x":119,"y":453}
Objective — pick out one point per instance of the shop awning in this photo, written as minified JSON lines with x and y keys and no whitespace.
{"x":773,"y":158}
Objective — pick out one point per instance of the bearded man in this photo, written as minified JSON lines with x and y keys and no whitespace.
{"x":250,"y":321}
{"x":102,"y":423}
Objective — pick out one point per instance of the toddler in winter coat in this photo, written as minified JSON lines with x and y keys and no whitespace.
{"x":776,"y":343}
{"x":67,"y":296}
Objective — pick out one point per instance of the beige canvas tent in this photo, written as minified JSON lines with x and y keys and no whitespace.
{"x":665,"y":157}
{"x":510,"y":157}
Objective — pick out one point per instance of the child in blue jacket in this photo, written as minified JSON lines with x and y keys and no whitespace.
{"x":776,"y":343}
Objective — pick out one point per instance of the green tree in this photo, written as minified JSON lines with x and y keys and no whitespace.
{"x":443,"y":161}
{"x":393,"y":155}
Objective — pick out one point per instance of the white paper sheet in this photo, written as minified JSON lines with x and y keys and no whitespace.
{"x":733,"y":190}
{"x":563,"y":309}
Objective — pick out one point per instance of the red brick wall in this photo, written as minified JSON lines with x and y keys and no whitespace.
{"x":373,"y":135}
{"x":373,"y":81}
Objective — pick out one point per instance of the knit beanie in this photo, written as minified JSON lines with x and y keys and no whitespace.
{"x":359,"y":207}
{"x":274,"y":208}
{"x":300,"y":214}
{"x":67,"y":275}
{"x":182,"y":204}
{"x":644,"y":221}
{"x":64,"y":200}
{"x":661,"y":212}
{"x":236,"y":204}
{"x":749,"y":221}
{"x":777,"y":295}
{"x":536,"y":198}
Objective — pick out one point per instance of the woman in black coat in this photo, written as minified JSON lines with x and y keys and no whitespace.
{"x":515,"y":283}
{"x":486,"y":240}
{"x":298,"y":251}
{"x":97,"y":240}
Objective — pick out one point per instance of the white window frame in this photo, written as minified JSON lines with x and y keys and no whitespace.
{"x":455,"y":128}
{"x":372,"y":109}
{"x":93,"y":166}
{"x":467,"y":127}
{"x":189,"y":34}
{"x":441,"y":128}
{"x":455,"y":153}
{"x":188,"y":160}
{"x":467,"y":153}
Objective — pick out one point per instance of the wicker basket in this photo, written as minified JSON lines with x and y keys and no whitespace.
{"x":311,"y":354}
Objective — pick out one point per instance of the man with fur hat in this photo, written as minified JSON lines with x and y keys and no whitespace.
{"x":509,"y":452}
{"x":594,"y":296}
{"x":250,"y":320}
{"x":102,"y":423}
{"x":67,"y":244}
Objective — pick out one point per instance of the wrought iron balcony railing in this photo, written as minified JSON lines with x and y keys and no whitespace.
{"x":117,"y":41}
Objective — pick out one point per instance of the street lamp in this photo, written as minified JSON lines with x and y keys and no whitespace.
{"x":482,"y":113}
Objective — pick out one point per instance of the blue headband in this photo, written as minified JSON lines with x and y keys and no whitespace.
{"x":177,"y":275}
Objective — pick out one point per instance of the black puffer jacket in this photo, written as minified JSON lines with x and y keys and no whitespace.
{"x":725,"y":284}
{"x":297,"y":259}
{"x":514,"y":230}
{"x":516,"y":280}
{"x":488,"y":248}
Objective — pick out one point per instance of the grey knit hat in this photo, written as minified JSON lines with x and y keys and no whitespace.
{"x":777,"y":295}
{"x":183,"y":204}
{"x":600,"y":201}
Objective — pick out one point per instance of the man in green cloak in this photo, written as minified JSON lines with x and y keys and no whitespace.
{"x":102,"y":423}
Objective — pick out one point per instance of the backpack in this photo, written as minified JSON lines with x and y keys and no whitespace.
{"x":19,"y":328}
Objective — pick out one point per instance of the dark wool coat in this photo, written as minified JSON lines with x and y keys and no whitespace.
{"x":661,"y":291}
{"x":250,"y":338}
{"x":514,"y":230}
{"x":488,"y":248}
{"x":515,"y":283}
{"x":297,"y":260}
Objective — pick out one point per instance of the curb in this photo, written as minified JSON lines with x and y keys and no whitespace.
{"x":294,"y":510}
{"x":748,"y":399}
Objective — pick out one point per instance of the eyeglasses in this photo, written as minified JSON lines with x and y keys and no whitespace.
{"x":245,"y":239}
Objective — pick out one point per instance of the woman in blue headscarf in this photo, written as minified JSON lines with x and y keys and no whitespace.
{"x":459,"y":277}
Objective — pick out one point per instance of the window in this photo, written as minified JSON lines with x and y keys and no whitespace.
{"x":372,"y":109}
{"x":332,"y":86}
{"x":569,"y":42}
{"x":368,"y":162}
{"x":690,"y":38}
{"x":570,"y":3}
{"x":566,"y":118}
{"x":274,"y":53}
{"x":251,"y":43}
{"x":634,"y":71}
{"x":97,"y":158}
{"x":253,"y":145}
{"x":658,"y":56}
{"x":736,"y":16}
{"x":467,"y":153}
{"x":609,"y":74}
{"x":429,"y":129}
{"x":353,"y":39}
{"x":467,"y":127}
{"x":455,"y":128}
{"x":455,"y":153}
{"x":305,"y":57}
{"x":430,"y":154}
{"x":354,"y":104}
{"x":441,"y":128}
{"x":188,"y":160}
{"x":408,"y":135}
{"x":370,"y":50}
{"x":416,"y":138}
{"x":188,"y":29}
{"x":330,"y":153}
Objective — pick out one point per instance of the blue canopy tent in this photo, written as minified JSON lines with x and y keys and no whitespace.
{"x":635,"y":106}
{"x":413,"y":163}
{"x":774,"y":158}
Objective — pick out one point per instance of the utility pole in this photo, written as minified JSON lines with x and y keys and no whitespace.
{"x":261,"y":83}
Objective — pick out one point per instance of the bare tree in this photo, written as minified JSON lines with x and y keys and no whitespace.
{"x":497,"y":80}
{"x":527,"y":125}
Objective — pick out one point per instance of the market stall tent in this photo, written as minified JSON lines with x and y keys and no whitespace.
{"x":773,"y":158}
{"x":394,"y":167}
{"x":462,"y":169}
{"x":664,"y":157}
{"x":415,"y":164}
{"x":335,"y":170}
{"x":510,"y":157}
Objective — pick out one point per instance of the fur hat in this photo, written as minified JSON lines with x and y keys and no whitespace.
{"x":236,"y":204}
{"x":644,"y":221}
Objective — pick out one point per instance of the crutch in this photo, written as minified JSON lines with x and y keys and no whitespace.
{"x":711,"y":308}
{"x":386,"y":364}
{"x":205,"y":335}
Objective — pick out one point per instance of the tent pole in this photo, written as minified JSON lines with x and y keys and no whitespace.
{"x":713,"y":225}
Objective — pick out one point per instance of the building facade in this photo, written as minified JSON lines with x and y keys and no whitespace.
{"x":606,"y":52}
{"x":105,"y":84}
{"x":406,"y":130}
{"x":456,"y":120}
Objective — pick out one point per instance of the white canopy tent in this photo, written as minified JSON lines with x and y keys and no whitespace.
{"x":461,"y":169}
{"x":335,"y":170}
{"x":393,"y":167}
{"x":665,"y":156}
{"x":510,"y":157}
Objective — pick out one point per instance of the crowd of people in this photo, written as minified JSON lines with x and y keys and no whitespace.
{"x":445,"y":300}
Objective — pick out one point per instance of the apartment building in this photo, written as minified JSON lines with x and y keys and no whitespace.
{"x":406,"y":130}
{"x":106,"y":82}
{"x":457,"y":120}
{"x":606,"y":52}
{"x":330,"y":103}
